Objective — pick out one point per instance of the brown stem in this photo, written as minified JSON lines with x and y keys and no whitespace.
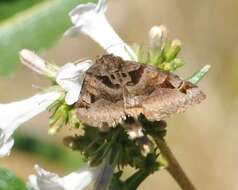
{"x":174,"y":167}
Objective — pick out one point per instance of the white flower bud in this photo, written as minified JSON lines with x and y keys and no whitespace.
{"x":37,"y":64}
{"x":158,"y":36}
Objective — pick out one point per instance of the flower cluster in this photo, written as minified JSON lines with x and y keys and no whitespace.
{"x":105,"y":151}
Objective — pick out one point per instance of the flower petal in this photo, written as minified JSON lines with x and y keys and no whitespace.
{"x":72,"y":32}
{"x":78,"y":180}
{"x":72,"y":96}
{"x":44,"y":180}
{"x":16,"y":113}
{"x":90,"y":20}
{"x":70,"y":77}
{"x":5,"y":144}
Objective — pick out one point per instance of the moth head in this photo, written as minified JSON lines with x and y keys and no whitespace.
{"x":113,"y":69}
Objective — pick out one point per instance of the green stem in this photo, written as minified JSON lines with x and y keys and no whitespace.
{"x":174,"y":167}
{"x":133,"y":182}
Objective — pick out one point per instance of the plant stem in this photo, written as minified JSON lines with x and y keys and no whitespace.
{"x":134,"y":181}
{"x":174,"y":167}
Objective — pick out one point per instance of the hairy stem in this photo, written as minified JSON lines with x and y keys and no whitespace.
{"x":174,"y":167}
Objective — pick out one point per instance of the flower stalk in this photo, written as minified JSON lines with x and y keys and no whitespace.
{"x":174,"y":168}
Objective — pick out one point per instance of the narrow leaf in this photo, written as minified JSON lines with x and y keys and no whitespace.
{"x":199,"y":75}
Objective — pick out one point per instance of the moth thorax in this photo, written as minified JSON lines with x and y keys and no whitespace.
{"x":121,"y":78}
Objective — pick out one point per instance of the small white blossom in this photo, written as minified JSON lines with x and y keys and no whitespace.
{"x":70,"y":77}
{"x":16,"y":113}
{"x":90,"y":20}
{"x":78,"y":180}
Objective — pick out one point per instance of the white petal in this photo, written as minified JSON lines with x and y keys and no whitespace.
{"x":77,"y":180}
{"x":81,"y":9}
{"x":44,"y":180}
{"x":5,"y":144}
{"x":80,"y":179}
{"x":67,"y":76}
{"x":70,"y":77}
{"x":101,"y":6}
{"x":84,"y":66}
{"x":90,"y":20}
{"x":16,"y":113}
{"x":72,"y":96}
{"x":72,"y":32}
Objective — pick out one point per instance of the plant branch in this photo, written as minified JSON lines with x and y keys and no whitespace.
{"x":174,"y":167}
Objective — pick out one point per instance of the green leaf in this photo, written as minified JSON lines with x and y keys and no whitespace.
{"x":9,"y":181}
{"x":36,"y":28}
{"x":199,"y":75}
{"x":9,"y":8}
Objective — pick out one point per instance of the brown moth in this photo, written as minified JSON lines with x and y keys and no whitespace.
{"x":114,"y":89}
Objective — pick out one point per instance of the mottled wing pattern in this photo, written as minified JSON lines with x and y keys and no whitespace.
{"x":114,"y":89}
{"x":164,"y":102}
{"x":101,"y":102}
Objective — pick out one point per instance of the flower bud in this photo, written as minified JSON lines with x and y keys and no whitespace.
{"x":157,"y":36}
{"x":171,"y":50}
{"x":37,"y":64}
{"x":173,"y":65}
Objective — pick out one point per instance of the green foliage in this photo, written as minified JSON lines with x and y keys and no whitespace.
{"x":164,"y":57}
{"x":133,"y":182}
{"x":9,"y":8}
{"x":96,"y":145}
{"x":122,"y":151}
{"x":36,"y":28}
{"x":48,"y":151}
{"x":62,"y":114}
{"x":9,"y":181}
{"x":199,"y":74}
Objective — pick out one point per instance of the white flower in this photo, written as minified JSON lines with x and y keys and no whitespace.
{"x":78,"y":180}
{"x":70,"y":77}
{"x":15,"y":114}
{"x":37,"y":64}
{"x":90,"y":19}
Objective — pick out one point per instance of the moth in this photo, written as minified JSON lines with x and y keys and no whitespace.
{"x":114,"y":89}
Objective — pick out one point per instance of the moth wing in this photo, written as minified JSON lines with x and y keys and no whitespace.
{"x":164,"y":102}
{"x":102,"y":113}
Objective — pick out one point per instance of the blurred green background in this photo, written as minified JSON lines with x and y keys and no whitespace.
{"x":204,"y":138}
